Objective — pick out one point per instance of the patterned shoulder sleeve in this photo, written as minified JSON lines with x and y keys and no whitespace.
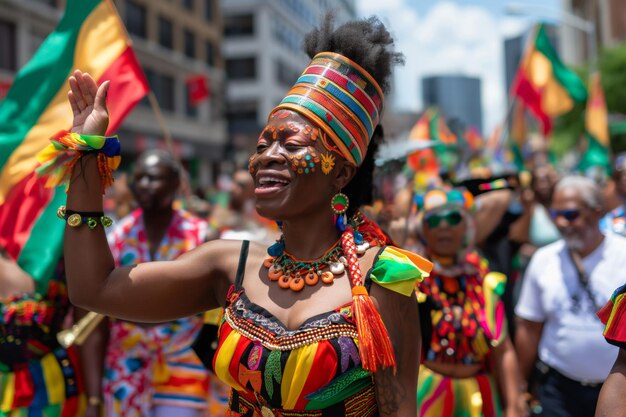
{"x":495,"y":323}
{"x":399,"y":270}
{"x":613,"y":315}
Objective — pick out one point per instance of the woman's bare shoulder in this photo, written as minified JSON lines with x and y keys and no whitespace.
{"x":222,"y":255}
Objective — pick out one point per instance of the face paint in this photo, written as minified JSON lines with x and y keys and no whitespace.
{"x":252,"y":164}
{"x":306,"y":162}
{"x":328,"y":163}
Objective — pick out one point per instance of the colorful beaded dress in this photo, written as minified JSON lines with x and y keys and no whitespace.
{"x":467,"y":321}
{"x":37,"y":376}
{"x":312,"y":371}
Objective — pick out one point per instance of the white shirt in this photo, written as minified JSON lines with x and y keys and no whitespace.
{"x":572,"y":341}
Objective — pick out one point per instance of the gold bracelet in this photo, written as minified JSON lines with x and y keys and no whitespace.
{"x":94,"y":400}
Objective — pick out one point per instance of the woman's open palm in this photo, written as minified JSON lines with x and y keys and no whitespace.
{"x":88,"y":102}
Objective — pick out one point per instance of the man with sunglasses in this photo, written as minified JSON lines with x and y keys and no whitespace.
{"x":564,"y":286}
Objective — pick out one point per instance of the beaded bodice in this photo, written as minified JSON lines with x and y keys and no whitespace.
{"x":312,"y":367}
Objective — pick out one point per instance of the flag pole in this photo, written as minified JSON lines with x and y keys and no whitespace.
{"x":523,"y":63}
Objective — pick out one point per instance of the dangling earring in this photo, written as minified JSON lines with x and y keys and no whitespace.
{"x":339,"y":204}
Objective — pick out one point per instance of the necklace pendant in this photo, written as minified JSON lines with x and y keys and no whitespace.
{"x":361,"y":249}
{"x":311,"y":279}
{"x":274,"y":274}
{"x":337,"y":268}
{"x":328,"y":277}
{"x":296,"y":284}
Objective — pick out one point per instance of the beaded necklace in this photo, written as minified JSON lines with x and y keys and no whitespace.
{"x":292,"y":273}
{"x":458,"y":304}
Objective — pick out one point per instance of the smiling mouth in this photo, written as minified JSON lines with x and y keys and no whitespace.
{"x":270,"y":184}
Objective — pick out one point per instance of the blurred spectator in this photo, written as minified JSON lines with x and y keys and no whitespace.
{"x":240,"y":221}
{"x":463,"y":320}
{"x":542,"y":230}
{"x":118,"y":199}
{"x":615,"y":220}
{"x":564,"y":285}
{"x":151,"y":370}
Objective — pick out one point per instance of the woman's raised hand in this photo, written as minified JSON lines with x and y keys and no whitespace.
{"x":88,"y":102}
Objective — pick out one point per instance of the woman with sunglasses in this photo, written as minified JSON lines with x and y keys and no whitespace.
{"x":469,"y":363}
{"x":315,"y":324}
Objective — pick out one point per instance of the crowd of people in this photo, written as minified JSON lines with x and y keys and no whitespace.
{"x":307,"y":294}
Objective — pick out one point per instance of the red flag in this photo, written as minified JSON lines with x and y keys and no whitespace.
{"x":197,"y":88}
{"x":4,"y":88}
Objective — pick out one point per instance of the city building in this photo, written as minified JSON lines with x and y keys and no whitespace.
{"x":609,"y":20}
{"x":263,"y":58}
{"x":457,"y":96}
{"x":174,"y":40}
{"x":513,"y":51}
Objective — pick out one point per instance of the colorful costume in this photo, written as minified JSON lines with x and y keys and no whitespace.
{"x":613,"y":315}
{"x":37,"y":376}
{"x":467,"y":322}
{"x":312,"y":371}
{"x":155,"y":365}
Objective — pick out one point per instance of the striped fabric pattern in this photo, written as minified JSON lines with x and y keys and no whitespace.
{"x":613,"y":315}
{"x":442,"y":396}
{"x":47,"y":387}
{"x":90,"y":36}
{"x":342,"y":99}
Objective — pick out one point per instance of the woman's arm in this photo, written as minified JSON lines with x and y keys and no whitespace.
{"x":612,"y":400}
{"x":92,"y":353}
{"x":509,"y":379}
{"x":491,"y":207}
{"x":520,"y":229}
{"x":151,"y":292}
{"x":397,"y":394}
{"x":527,"y":337}
{"x":13,"y":279}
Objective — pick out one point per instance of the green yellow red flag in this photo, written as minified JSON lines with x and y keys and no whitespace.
{"x":90,"y":36}
{"x":597,"y":144}
{"x":544,"y":84}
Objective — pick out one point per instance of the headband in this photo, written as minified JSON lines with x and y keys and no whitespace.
{"x":440,"y":198}
{"x":343,"y":100}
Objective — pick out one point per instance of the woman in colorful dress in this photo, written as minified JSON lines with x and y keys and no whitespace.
{"x":38,"y":377}
{"x":468,"y":359}
{"x":322,"y":323}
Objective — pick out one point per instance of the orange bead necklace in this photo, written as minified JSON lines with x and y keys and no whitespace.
{"x":292,"y":273}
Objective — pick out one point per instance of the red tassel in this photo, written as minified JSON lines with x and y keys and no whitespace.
{"x":374,"y":344}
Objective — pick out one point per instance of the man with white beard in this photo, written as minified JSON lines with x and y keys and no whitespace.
{"x":565,"y":284}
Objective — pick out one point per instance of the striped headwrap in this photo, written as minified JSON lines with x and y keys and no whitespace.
{"x":342,"y":99}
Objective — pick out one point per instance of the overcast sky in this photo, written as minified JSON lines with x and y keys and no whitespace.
{"x":454,"y":37}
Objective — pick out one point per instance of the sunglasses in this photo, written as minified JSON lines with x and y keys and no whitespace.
{"x":568,"y":214}
{"x":452,"y":218}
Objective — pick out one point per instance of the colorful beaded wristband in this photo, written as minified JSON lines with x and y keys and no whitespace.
{"x":76,"y":218}
{"x":58,"y":159}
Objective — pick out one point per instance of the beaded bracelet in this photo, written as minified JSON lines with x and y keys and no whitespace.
{"x":76,"y":218}
{"x":58,"y":159}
